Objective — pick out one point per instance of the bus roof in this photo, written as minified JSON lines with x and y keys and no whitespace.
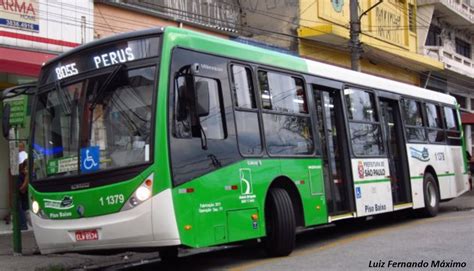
{"x":264,"y":56}
{"x":189,"y":39}
{"x":363,"y":79}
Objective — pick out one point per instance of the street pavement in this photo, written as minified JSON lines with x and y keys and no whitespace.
{"x":32,"y":260}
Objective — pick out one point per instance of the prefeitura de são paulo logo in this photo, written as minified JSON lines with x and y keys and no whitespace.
{"x":360,"y":169}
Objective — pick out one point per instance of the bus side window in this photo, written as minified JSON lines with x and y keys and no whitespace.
{"x":182,"y":116}
{"x":287,"y":124}
{"x":246,"y":113}
{"x":436,"y":132}
{"x":212,"y":124}
{"x":415,"y":130}
{"x":364,"y":124}
{"x":452,"y":127}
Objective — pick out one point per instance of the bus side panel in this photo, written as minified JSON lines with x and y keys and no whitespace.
{"x":308,"y":177}
{"x":460,"y":182}
{"x":420,"y":157}
{"x":373,"y":192}
{"x":219,"y":207}
{"x":165,"y":229}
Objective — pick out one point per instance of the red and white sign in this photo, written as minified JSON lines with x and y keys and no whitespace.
{"x":19,"y":14}
{"x":54,"y":26}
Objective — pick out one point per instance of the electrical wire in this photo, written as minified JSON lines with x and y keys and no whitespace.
{"x":106,"y":25}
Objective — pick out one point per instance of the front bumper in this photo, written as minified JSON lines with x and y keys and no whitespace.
{"x":135,"y":228}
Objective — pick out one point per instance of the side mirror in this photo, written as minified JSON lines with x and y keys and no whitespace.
{"x":202,"y":98}
{"x":6,"y":121}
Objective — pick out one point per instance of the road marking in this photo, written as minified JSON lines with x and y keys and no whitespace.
{"x":356,"y":237}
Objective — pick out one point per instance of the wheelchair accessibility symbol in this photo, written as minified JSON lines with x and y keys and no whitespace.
{"x":90,"y":159}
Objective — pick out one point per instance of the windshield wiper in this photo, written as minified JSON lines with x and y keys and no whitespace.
{"x":105,"y":85}
{"x":64,"y":99}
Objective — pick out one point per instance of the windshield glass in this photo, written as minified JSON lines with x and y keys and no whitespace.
{"x":98,"y":123}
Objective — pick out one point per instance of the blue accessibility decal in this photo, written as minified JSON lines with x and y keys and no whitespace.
{"x":358,"y":193}
{"x":90,"y":159}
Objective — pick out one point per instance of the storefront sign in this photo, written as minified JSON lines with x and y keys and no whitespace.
{"x":17,"y":110}
{"x":20,"y":14}
{"x":389,"y":25}
{"x":210,"y":13}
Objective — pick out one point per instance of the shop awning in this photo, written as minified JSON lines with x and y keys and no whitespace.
{"x":22,"y":62}
{"x":467,"y":118}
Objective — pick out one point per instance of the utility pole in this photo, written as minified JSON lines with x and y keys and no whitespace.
{"x":354,"y":42}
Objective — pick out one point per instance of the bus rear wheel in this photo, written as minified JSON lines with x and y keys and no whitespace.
{"x":431,"y":196}
{"x":280,"y":223}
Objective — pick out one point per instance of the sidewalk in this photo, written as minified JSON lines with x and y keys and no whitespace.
{"x":32,"y":260}
{"x":463,"y":203}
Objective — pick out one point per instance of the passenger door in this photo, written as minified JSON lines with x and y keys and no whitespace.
{"x":336,"y":170}
{"x":370,"y":166}
{"x":396,"y":151}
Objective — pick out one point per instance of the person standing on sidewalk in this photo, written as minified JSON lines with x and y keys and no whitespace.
{"x":23,"y":187}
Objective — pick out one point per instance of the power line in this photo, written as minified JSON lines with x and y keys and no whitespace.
{"x":185,"y":14}
{"x":287,"y":35}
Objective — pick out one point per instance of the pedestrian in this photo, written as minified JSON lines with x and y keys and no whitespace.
{"x":22,"y":201}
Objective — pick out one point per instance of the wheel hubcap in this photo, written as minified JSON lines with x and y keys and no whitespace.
{"x":431,"y":194}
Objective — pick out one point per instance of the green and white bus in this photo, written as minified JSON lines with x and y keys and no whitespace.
{"x":170,"y":138}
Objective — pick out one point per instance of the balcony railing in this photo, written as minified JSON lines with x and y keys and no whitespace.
{"x":452,"y":60}
{"x":457,"y":6}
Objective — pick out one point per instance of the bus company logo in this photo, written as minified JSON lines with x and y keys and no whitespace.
{"x":64,"y":204}
{"x":246,"y":182}
{"x":422,"y":155}
{"x":360,"y":170}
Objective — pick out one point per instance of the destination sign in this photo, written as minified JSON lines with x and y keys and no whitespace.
{"x":101,"y":57}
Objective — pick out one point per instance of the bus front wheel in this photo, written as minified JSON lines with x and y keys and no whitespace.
{"x":431,"y":196}
{"x":280,"y":223}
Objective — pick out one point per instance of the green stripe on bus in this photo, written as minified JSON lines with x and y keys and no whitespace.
{"x":440,"y":175}
{"x":373,"y":181}
{"x":416,"y":177}
{"x":447,"y":175}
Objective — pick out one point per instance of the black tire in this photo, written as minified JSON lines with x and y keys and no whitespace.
{"x":168,"y":254}
{"x":280,"y":223}
{"x":431,"y":196}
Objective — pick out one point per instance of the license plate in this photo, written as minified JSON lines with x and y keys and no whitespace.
{"x":87,"y":235}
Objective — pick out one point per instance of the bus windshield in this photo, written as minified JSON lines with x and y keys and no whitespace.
{"x":98,"y":123}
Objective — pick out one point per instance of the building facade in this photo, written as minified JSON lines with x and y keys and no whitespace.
{"x":210,"y":16}
{"x":446,"y":33}
{"x":388,"y":36}
{"x":31,"y":32}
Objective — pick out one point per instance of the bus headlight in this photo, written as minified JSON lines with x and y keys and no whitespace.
{"x":143,"y":193}
{"x":35,"y":207}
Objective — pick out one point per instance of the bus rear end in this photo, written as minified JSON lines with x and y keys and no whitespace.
{"x":93,"y":174}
